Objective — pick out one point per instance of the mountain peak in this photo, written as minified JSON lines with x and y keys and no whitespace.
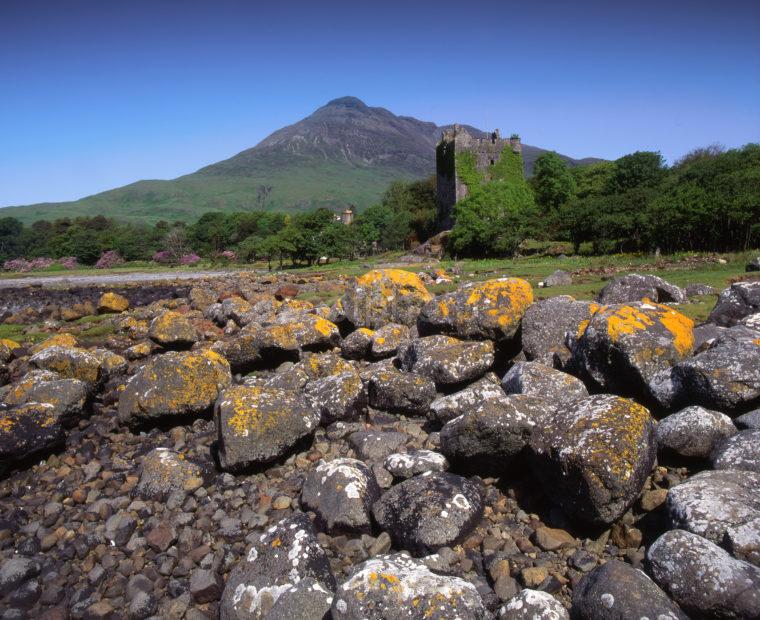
{"x":347,"y":102}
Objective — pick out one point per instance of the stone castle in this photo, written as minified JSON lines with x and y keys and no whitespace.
{"x":486,"y":153}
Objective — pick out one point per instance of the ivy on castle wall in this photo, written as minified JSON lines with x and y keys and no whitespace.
{"x":508,"y":168}
{"x":467,"y":170}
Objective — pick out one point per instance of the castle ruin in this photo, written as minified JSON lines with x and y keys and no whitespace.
{"x":463,"y":160}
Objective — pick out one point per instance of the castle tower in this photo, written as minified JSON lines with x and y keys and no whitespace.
{"x":462,"y":161}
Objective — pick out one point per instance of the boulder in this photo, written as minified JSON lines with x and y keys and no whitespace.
{"x":693,"y":432}
{"x":386,"y":340}
{"x":174,"y":384}
{"x":636,"y":287}
{"x":415,"y":462}
{"x":593,"y":456}
{"x":258,"y":425}
{"x":533,"y":605}
{"x":703,"y":578}
{"x":357,"y":345}
{"x":725,"y":377}
{"x":338,"y":397}
{"x":286,"y":554}
{"x":58,"y":340}
{"x":558,"y":278}
{"x":446,"y":360}
{"x":753,"y":265}
{"x":734,"y":303}
{"x":539,"y":380}
{"x":750,"y":420}
{"x":341,"y":492}
{"x":622,"y":348}
{"x":446,"y":408}
{"x":8,"y":349}
{"x":476,"y":311}
{"x":286,"y":291}
{"x":111,"y":364}
{"x":739,"y":452}
{"x":112,"y":303}
{"x":375,"y":445}
{"x":697,"y":290}
{"x":712,"y":502}
{"x":383,"y":296}
{"x":69,"y":363}
{"x":173,"y":330}
{"x":545,"y":324}
{"x":616,"y":590}
{"x":489,"y":436}
{"x":164,"y":471}
{"x":307,"y":332}
{"x":397,"y":586}
{"x":430,"y":511}
{"x":304,"y":600}
{"x":27,"y":430}
{"x":400,"y":392}
{"x":68,"y":397}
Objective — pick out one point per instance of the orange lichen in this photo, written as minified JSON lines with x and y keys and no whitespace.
{"x":393,"y":282}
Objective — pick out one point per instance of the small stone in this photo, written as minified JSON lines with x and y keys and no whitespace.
{"x":281,"y":502}
{"x":651,"y":500}
{"x":533,"y":576}
{"x":205,"y":586}
{"x":550,"y":539}
{"x":161,"y":537}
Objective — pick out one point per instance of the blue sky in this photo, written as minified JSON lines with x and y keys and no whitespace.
{"x":99,"y":93}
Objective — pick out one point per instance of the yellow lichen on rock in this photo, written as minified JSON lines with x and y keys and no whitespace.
{"x":626,"y":320}
{"x":59,"y":340}
{"x":112,"y":302}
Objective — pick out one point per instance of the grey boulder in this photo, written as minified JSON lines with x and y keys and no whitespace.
{"x":693,"y":432}
{"x":740,"y":452}
{"x":636,"y":287}
{"x":446,"y":360}
{"x":536,"y":379}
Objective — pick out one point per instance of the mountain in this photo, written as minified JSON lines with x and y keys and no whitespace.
{"x":345,"y":153}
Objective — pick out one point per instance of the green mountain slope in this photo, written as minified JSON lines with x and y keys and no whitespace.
{"x":345,"y":153}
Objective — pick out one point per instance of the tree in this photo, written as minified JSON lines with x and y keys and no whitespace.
{"x":552,"y":182}
{"x":493,"y":219}
{"x":640,"y":168}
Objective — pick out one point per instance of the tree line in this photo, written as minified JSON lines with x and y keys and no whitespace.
{"x":708,"y":200}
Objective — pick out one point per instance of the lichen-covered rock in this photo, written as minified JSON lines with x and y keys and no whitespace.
{"x":164,"y":471}
{"x":415,"y":462}
{"x":7,"y":349}
{"x":306,"y":332}
{"x":375,"y":445}
{"x":446,"y":408}
{"x":533,"y":605}
{"x":396,"y":586}
{"x":112,"y":302}
{"x":174,"y":384}
{"x":387,"y":340}
{"x":623,"y":347}
{"x":637,"y":287}
{"x":740,"y":452}
{"x":536,"y":379}
{"x":259,"y":425}
{"x":341,"y":492}
{"x":383,"y":296}
{"x":711,"y":502}
{"x":489,"y":436}
{"x":111,"y":364}
{"x":725,"y":377}
{"x":357,"y":345}
{"x":430,"y":511}
{"x":172,"y":329}
{"x":483,"y":310}
{"x":400,"y":392}
{"x":27,"y":430}
{"x":68,"y":397}
{"x":338,"y":397}
{"x":282,"y":557}
{"x":58,"y":340}
{"x":446,"y":360}
{"x":545,"y":324}
{"x":703,"y":578}
{"x":69,"y":363}
{"x":305,"y":600}
{"x":734,"y":303}
{"x":693,"y":432}
{"x":558,"y":278}
{"x":593,"y":456}
{"x":616,"y":590}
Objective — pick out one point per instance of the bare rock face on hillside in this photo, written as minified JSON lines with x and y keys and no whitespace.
{"x":399,"y":454}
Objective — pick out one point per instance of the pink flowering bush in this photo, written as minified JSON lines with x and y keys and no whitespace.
{"x":17,"y":264}
{"x":229,"y":255}
{"x":109,"y":259}
{"x":189,"y":259}
{"x":163,"y":256}
{"x":68,"y":262}
{"x":41,"y":263}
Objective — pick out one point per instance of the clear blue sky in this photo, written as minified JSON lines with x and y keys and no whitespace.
{"x":99,"y":93}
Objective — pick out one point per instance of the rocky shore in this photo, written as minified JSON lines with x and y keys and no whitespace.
{"x":232,"y":451}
